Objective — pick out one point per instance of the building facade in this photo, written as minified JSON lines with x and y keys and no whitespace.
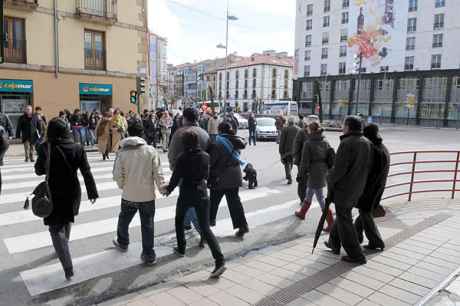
{"x":250,"y":82}
{"x":80,"y":54}
{"x":158,"y":70}
{"x":394,"y":60}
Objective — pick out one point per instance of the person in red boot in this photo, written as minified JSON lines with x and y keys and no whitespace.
{"x":317,"y":158}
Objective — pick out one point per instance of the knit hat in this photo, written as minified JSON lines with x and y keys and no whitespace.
{"x":58,"y":131}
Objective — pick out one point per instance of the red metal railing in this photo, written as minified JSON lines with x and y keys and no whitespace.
{"x":414,"y":162}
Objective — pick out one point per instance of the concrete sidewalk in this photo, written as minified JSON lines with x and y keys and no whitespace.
{"x":422,"y":250}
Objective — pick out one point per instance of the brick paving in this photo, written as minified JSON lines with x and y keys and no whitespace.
{"x":423,"y":249}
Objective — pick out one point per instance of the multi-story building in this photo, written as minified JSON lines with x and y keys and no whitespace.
{"x":258,"y":79}
{"x":196,"y":77}
{"x":396,"y":60}
{"x":77,"y":54}
{"x":158,"y":70}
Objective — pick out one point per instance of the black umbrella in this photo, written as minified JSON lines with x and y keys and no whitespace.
{"x":320,"y":227}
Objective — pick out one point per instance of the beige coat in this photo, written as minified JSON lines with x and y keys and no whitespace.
{"x":213,"y":125}
{"x":137,"y":170}
{"x":108,"y":137}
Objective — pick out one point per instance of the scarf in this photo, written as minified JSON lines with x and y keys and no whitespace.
{"x":228,"y":146}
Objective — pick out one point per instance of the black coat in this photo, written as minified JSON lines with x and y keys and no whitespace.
{"x":63,"y":181}
{"x":348,"y":177}
{"x":377,"y":178}
{"x":225,"y":170}
{"x":191,"y":172}
{"x":28,"y":129}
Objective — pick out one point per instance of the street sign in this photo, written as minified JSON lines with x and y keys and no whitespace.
{"x":411,"y":101}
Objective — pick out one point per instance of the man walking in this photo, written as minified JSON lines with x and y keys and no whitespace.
{"x":6,"y":131}
{"x":373,"y":192}
{"x":213,"y":124}
{"x":346,"y":184}
{"x":28,"y":131}
{"x":252,"y":125}
{"x":189,"y":123}
{"x":286,"y":146}
{"x":137,"y":170}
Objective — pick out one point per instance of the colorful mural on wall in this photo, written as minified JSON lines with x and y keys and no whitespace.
{"x":375,"y":24}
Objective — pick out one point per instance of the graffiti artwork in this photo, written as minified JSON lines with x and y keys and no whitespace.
{"x":375,"y":23}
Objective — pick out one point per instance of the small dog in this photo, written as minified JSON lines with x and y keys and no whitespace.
{"x":250,"y":175}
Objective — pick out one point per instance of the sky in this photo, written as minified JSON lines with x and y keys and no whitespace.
{"x":195,"y":27}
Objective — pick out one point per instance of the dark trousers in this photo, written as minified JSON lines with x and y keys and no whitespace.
{"x":302,"y":186}
{"x":288,"y":164}
{"x":202,"y":210}
{"x":60,"y":235}
{"x":365,"y":222}
{"x":343,"y":231}
{"x":234,"y":206}
{"x":252,"y":136}
{"x":146,"y":213}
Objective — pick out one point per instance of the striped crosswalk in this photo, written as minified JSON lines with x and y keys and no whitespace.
{"x":23,"y":233}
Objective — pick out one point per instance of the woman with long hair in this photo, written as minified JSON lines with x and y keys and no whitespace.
{"x":64,"y":157}
{"x":104,"y":135}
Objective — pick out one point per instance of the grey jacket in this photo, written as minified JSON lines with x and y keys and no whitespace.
{"x":317,"y":158}
{"x":348,"y":177}
{"x":288,"y":135}
{"x":176,"y":147}
{"x":300,"y":139}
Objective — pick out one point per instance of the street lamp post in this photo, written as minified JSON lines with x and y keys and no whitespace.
{"x":220,"y":46}
{"x":360,"y":55}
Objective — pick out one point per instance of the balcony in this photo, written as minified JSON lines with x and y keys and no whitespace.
{"x":15,"y":51}
{"x":99,"y":11}
{"x":23,"y":5}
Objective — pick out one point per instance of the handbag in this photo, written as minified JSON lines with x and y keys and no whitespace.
{"x":42,"y":204}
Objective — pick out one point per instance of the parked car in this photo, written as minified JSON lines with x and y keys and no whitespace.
{"x":266,"y":129}
{"x":243,"y":122}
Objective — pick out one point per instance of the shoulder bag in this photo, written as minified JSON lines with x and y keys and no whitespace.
{"x":42,"y":204}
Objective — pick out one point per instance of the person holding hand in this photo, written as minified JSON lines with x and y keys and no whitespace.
{"x":192,"y":172}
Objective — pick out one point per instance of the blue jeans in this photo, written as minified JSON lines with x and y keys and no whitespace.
{"x":79,"y":134}
{"x":147,"y":213}
{"x":191,"y":218}
{"x":252,"y":136}
{"x":318,"y":192}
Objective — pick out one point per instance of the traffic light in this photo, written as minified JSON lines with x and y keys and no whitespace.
{"x":2,"y":35}
{"x":133,"y":97}
{"x":140,"y":85}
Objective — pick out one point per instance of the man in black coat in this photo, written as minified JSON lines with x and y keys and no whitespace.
{"x":28,"y":130}
{"x":286,"y":147}
{"x":346,"y":183}
{"x":374,"y":189}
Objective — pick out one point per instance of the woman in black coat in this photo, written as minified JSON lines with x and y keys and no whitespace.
{"x":66,"y":158}
{"x":226,"y":177}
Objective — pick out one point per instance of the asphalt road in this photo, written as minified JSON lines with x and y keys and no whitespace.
{"x":29,"y":273}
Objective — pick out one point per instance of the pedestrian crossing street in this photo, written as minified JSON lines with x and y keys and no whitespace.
{"x":23,"y":234}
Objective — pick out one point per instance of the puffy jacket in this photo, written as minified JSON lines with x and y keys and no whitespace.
{"x":317,"y":158}
{"x":225,"y":170}
{"x":137,"y":170}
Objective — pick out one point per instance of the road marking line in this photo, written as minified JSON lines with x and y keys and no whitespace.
{"x":42,"y":239}
{"x":48,"y":278}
